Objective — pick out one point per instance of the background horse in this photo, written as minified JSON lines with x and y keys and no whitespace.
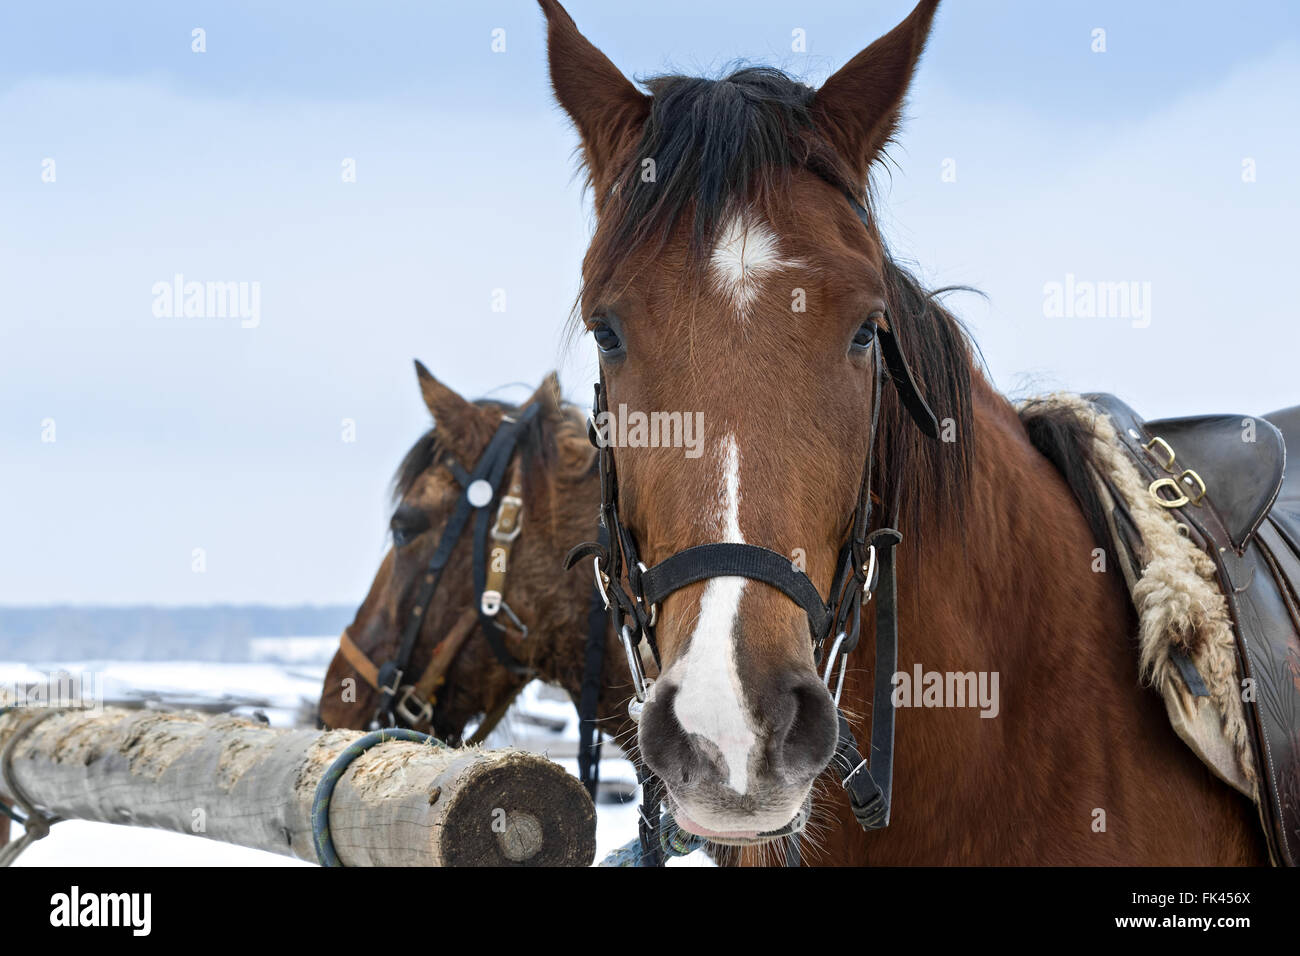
{"x":729,"y":274}
{"x":560,"y":500}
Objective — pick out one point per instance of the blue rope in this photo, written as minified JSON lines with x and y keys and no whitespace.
{"x":320,"y":806}
{"x":7,"y":810}
{"x":673,"y":840}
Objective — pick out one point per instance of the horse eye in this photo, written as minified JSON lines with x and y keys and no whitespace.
{"x":866,"y":333}
{"x":607,"y":339}
{"x":406,"y":525}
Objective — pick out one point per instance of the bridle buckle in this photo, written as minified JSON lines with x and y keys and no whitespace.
{"x":403,"y":709}
{"x":513,"y":517}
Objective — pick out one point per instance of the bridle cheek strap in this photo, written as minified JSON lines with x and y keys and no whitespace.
{"x":355,"y":656}
{"x":869,"y":783}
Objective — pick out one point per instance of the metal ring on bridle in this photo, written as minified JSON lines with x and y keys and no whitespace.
{"x":830,"y":664}
{"x":872,"y":570}
{"x":602,"y":581}
{"x":654,"y":608}
{"x":634,"y":664}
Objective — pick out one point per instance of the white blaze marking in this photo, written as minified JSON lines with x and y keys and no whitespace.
{"x":710,"y":700}
{"x":745,"y":255}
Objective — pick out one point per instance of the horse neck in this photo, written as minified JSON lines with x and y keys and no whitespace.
{"x":1023,"y":561}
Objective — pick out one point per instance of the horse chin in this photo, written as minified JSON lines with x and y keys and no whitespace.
{"x":742,"y":837}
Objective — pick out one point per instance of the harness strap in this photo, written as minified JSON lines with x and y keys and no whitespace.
{"x":589,"y":736}
{"x":444,"y":652}
{"x":870,"y":783}
{"x":492,"y":631}
{"x":355,"y":656}
{"x":509,"y":522}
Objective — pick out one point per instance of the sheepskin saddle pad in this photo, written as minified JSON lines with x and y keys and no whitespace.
{"x":1204,"y":521}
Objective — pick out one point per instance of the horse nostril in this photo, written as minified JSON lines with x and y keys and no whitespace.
{"x":805,"y":729}
{"x":663,"y":742}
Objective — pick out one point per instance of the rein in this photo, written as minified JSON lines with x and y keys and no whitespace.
{"x":865,"y":569}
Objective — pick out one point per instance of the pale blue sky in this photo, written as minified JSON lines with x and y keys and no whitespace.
{"x":174,"y":434}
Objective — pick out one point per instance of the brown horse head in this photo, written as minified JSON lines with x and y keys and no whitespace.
{"x":560,"y":496}
{"x":729,"y":279}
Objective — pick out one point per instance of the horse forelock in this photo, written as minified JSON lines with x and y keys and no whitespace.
{"x":724,"y":151}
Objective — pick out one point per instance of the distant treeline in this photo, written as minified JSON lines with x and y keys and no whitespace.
{"x":215,"y":633}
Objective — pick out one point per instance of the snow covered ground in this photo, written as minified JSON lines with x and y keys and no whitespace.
{"x":283,"y":681}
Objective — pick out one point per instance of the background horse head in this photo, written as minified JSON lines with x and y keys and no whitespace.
{"x":560,"y":499}
{"x":736,"y":270}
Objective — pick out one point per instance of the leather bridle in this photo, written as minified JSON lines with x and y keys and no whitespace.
{"x":865,"y":568}
{"x":413,"y":703}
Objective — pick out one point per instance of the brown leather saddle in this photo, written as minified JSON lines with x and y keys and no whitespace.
{"x":1225,"y":479}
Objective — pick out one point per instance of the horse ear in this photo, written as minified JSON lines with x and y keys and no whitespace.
{"x":548,"y":397}
{"x":607,"y":109}
{"x":453,"y":416}
{"x":858,"y":107}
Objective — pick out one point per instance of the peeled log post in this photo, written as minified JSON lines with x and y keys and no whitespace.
{"x":238,"y":781}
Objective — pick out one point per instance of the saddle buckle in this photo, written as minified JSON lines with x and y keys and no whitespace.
{"x":1187,"y":477}
{"x":1180,"y":497}
{"x":1168,"y":464}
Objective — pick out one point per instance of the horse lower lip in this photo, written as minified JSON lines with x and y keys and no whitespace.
{"x":690,"y":826}
{"x":738,"y":836}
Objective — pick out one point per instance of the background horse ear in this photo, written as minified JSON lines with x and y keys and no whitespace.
{"x":454,"y":418}
{"x":604,"y":105}
{"x":548,"y":397}
{"x":858,"y":108}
